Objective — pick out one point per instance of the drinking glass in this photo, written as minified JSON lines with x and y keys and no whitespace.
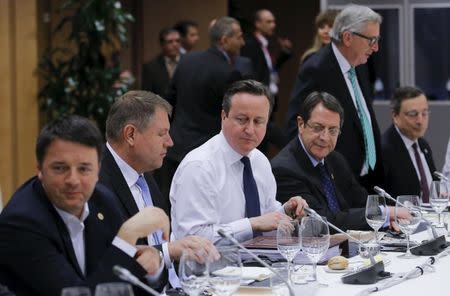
{"x":226,"y":272}
{"x":113,"y":289}
{"x":439,"y":197}
{"x":288,"y":241}
{"x":315,"y":240}
{"x":193,"y":273}
{"x":411,"y":205}
{"x":376,"y":213}
{"x":76,"y":291}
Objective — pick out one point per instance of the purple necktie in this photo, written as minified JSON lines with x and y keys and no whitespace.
{"x":423,"y":178}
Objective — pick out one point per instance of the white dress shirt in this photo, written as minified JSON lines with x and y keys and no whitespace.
{"x":345,"y":66}
{"x":408,"y":144}
{"x":207,"y":191}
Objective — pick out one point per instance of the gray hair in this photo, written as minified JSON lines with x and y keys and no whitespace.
{"x":353,"y":18}
{"x":135,"y":107}
{"x":221,"y":27}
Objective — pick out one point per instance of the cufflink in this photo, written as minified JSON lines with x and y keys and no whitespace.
{"x":100,"y":216}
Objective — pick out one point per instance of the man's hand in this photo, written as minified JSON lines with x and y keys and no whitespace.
{"x":294,"y":207}
{"x":148,"y":258}
{"x":402,"y":214}
{"x":267,"y":222}
{"x":197,"y":246}
{"x":285,"y":44}
{"x":147,"y":221}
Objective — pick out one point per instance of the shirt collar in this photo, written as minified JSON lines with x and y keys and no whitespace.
{"x":407,"y":141}
{"x":314,"y":162}
{"x":342,"y":61}
{"x":230,"y":155}
{"x":262,"y":39}
{"x":168,"y":60}
{"x":130,"y":175}
{"x":74,"y":225}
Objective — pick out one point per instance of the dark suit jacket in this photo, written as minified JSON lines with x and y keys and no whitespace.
{"x":155,"y":77}
{"x":321,"y":72}
{"x":295,"y":175}
{"x":252,"y":49}
{"x":36,"y":252}
{"x":196,"y":91}
{"x":400,"y":175}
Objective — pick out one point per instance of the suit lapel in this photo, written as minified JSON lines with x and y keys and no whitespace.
{"x":403,"y":157}
{"x":428,"y":156}
{"x":119,"y":184}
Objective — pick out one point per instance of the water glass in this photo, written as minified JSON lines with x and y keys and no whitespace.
{"x":411,"y":205}
{"x":226,"y":272}
{"x":439,"y":197}
{"x":376,"y":213}
{"x":193,"y":273}
{"x":288,"y":241}
{"x":76,"y":291}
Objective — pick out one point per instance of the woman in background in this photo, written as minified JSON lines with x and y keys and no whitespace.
{"x":324,"y":24}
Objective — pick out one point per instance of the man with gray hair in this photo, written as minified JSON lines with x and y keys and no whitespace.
{"x":336,"y":69}
{"x":196,"y":93}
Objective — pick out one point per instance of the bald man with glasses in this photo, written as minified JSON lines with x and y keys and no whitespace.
{"x":407,"y":158}
{"x":309,"y":167}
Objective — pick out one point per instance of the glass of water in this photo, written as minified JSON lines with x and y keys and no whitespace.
{"x":409,"y":204}
{"x":226,"y":271}
{"x":376,"y":213}
{"x":288,"y":241}
{"x":439,"y":197}
{"x":76,"y":291}
{"x":113,"y":289}
{"x":193,"y":273}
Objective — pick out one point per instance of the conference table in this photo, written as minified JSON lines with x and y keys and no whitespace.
{"x":431,"y":282}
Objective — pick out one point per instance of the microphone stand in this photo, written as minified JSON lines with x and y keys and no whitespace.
{"x":367,"y":275}
{"x":415,"y":272}
{"x":225,"y":235}
{"x":433,"y":246}
{"x":126,"y":275}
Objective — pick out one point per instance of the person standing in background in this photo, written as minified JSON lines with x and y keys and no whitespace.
{"x":189,"y":35}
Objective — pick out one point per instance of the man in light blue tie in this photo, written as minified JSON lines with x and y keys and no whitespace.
{"x":339,"y":69}
{"x":137,"y":133}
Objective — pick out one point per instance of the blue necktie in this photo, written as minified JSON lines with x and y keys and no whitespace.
{"x":252,"y":207}
{"x":369,"y":142}
{"x":157,"y":235}
{"x":328,"y":187}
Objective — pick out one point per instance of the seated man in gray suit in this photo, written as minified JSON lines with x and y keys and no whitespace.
{"x":407,"y":158}
{"x":309,"y":167}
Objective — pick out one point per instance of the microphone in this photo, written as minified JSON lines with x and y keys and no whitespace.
{"x":428,"y":248}
{"x":367,"y":275}
{"x":126,"y":275}
{"x":440,"y":176}
{"x":225,"y":235}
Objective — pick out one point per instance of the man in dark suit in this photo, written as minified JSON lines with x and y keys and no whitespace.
{"x":197,"y":90}
{"x":355,"y":37}
{"x":60,"y":229}
{"x":308,"y":166}
{"x":407,"y":157}
{"x":157,"y":73}
{"x":137,"y":131}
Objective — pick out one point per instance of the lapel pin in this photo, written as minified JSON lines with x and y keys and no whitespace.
{"x":100,"y":216}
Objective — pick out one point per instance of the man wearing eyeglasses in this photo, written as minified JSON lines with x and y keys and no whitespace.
{"x":407,"y":158}
{"x":308,"y":166}
{"x":337,"y":69}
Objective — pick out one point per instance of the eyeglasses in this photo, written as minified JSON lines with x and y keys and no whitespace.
{"x":319,"y":129}
{"x":372,"y":40}
{"x":415,"y":113}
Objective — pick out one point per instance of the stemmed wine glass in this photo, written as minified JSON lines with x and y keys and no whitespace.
{"x":376,"y":213}
{"x":193,"y":273}
{"x":315,"y":240}
{"x":288,"y":241}
{"x":226,"y":271}
{"x":113,"y":289}
{"x":408,"y":204}
{"x":439,"y":197}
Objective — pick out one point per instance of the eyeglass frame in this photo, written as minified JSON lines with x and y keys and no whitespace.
{"x":372,"y":40}
{"x":414,"y":113}
{"x":318,"y":129}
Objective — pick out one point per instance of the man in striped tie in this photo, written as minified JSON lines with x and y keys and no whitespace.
{"x":339,"y":70}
